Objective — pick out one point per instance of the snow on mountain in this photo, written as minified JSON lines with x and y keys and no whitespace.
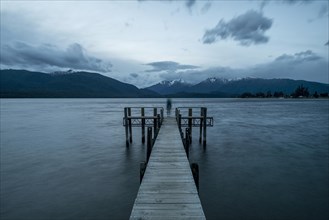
{"x":62,"y":72}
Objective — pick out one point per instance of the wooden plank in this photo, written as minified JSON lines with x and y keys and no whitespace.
{"x":168,"y":190}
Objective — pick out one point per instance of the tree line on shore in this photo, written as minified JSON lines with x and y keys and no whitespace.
{"x":300,"y":92}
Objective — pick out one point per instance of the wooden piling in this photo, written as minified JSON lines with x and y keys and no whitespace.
{"x":149,"y":144}
{"x":158,"y":122}
{"x":187,"y":142}
{"x":155,"y":110}
{"x":126,"y":126}
{"x":143,"y":124}
{"x":204,"y":127}
{"x":161,"y":113}
{"x":130,"y":127}
{"x":142,"y":168}
{"x":179,"y":121}
{"x":201,"y":121}
{"x":195,"y":172}
{"x":190,"y":123}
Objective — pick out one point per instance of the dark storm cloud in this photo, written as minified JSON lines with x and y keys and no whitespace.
{"x":168,"y":66}
{"x":248,"y":28}
{"x":20,"y":54}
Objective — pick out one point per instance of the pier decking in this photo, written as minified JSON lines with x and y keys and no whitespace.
{"x":168,"y":190}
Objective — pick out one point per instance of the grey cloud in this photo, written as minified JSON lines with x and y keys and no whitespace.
{"x":168,"y":66}
{"x":20,"y":54}
{"x":190,"y":3}
{"x":205,"y":7}
{"x":298,"y":57}
{"x":296,"y":1}
{"x":304,"y":65}
{"x":323,"y":11}
{"x":248,"y":28}
{"x":288,"y":2}
{"x":134,"y":75}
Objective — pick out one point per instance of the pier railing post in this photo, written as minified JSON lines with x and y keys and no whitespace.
{"x":201,"y":121}
{"x":149,"y":144}
{"x":187,"y":142}
{"x":190,"y":123}
{"x":195,"y":172}
{"x":143,"y":124}
{"x":204,"y":127}
{"x":126,"y":126}
{"x":130,"y":128}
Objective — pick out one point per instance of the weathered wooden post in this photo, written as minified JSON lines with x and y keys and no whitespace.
{"x":195,"y":172}
{"x":201,"y":121}
{"x":204,"y":127}
{"x":161,"y":113}
{"x":155,"y":110}
{"x":190,"y":123}
{"x":143,"y":124}
{"x":179,"y":121}
{"x":149,"y":144}
{"x":126,"y":126}
{"x":130,"y":128}
{"x":159,"y":123}
{"x":142,"y":168}
{"x":187,"y":142}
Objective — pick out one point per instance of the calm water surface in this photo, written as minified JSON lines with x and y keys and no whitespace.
{"x":66,"y":158}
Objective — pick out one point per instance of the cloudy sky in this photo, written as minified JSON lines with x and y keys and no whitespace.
{"x":143,"y":42}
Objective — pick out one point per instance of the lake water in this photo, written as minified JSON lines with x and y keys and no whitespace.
{"x":67,"y":159}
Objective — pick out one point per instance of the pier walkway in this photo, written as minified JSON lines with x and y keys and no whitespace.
{"x":168,"y":190}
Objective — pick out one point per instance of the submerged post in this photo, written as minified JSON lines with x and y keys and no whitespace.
{"x":204,"y":127}
{"x":143,"y":124}
{"x":187,"y":142}
{"x":142,"y":168}
{"x":126,"y":126}
{"x":155,"y":110}
{"x":201,"y":120}
{"x":149,"y":144}
{"x":195,"y":172}
{"x":190,"y":124}
{"x":130,"y":128}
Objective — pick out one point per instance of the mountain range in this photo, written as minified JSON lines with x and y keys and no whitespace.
{"x":70,"y":84}
{"x":22,"y":83}
{"x":234,"y":87}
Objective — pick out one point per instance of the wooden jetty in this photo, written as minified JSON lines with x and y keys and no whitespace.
{"x":169,"y":184}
